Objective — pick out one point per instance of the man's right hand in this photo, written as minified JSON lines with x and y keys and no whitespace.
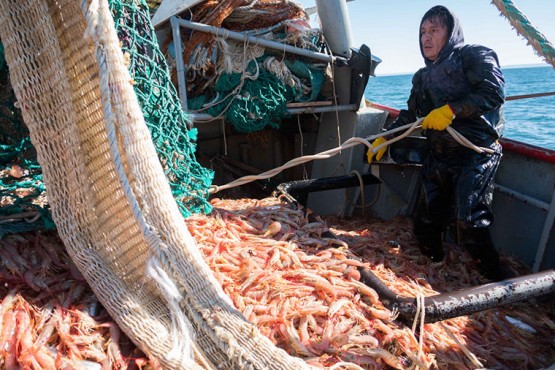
{"x":370,"y":153}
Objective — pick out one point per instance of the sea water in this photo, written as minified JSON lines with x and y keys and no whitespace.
{"x":530,"y":120}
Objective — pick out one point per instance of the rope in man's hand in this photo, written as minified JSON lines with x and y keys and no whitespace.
{"x":408,"y":129}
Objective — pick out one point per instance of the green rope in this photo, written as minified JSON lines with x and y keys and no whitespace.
{"x":525,"y":29}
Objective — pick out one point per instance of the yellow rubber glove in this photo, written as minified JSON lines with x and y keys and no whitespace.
{"x":370,"y":155}
{"x":439,"y":118}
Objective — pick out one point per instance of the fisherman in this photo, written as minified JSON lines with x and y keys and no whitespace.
{"x":462,"y":87}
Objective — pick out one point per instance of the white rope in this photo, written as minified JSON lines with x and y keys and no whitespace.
{"x":422,"y":318}
{"x":362,"y":195}
{"x":419,"y":317}
{"x":98,"y":25}
{"x":237,"y":89}
{"x":415,"y":321}
{"x":471,"y":356}
{"x":467,"y":143}
{"x":322,"y":155}
{"x":346,"y":145}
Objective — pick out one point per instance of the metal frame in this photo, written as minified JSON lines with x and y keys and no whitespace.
{"x":547,"y":227}
{"x":177,"y":23}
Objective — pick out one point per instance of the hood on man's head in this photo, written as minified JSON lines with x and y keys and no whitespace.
{"x":454,"y":29}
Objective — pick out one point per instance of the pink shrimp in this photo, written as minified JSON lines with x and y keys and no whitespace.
{"x":336,"y":306}
{"x":318,"y":282}
{"x":366,"y":340}
{"x":113,"y":348}
{"x":63,"y":326}
{"x":325,"y":340}
{"x":28,"y":354}
{"x":8,"y":339}
{"x":366,"y":290}
{"x":383,"y":355}
{"x":293,"y":340}
{"x":274,"y":259}
{"x":385,"y":315}
{"x":273,"y":229}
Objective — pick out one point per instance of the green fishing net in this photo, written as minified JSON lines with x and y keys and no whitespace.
{"x":23,"y":204}
{"x":252,"y":104}
{"x":168,"y":124}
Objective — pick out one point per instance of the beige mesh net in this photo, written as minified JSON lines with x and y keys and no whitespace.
{"x":109,"y":197}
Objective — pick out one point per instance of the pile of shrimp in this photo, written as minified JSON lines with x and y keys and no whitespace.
{"x":50,"y":318}
{"x":296,"y":277}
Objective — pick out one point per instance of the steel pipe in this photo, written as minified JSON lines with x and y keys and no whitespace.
{"x":204,"y":117}
{"x":180,"y":65}
{"x":522,"y":197}
{"x":546,"y":234}
{"x":255,"y":40}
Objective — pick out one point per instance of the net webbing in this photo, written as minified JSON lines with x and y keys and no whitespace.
{"x":23,"y":196}
{"x":166,"y":121}
{"x":23,"y":205}
{"x":113,"y":207}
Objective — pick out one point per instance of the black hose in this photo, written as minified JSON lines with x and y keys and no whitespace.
{"x":465,"y":301}
{"x":299,"y":189}
{"x":442,"y":306}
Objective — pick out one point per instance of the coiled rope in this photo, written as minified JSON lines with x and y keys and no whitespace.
{"x":346,"y":145}
{"x":525,"y":29}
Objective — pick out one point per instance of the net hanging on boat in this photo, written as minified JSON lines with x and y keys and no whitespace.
{"x":23,"y":203}
{"x":112,"y":204}
{"x":246,"y":84}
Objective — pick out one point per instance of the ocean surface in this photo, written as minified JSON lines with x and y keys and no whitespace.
{"x":529,"y":120}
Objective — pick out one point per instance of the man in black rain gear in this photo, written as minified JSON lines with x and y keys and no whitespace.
{"x":461,"y":86}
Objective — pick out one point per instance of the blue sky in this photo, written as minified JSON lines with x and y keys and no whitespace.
{"x":390,"y":29}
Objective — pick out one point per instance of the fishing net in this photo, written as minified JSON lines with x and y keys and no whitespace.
{"x":23,"y":204}
{"x":23,"y":199}
{"x":108,"y":193}
{"x":248,"y":85}
{"x":166,"y":121}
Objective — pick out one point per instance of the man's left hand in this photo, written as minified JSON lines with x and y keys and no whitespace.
{"x":439,"y":118}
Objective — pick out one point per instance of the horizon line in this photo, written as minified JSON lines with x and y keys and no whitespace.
{"x":509,"y":66}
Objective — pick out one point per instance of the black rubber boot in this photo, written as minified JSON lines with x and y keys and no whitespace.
{"x":429,"y":240}
{"x":432,"y":250}
{"x":478,"y":243}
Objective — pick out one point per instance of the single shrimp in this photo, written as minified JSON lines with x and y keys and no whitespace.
{"x":8,"y":341}
{"x":366,"y":290}
{"x":318,"y":282}
{"x":293,"y":340}
{"x":273,"y":229}
{"x":366,"y":340}
{"x":324,"y":342}
{"x":385,"y":315}
{"x":114,"y":350}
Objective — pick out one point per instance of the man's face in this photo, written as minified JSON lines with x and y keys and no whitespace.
{"x":433,"y":36}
